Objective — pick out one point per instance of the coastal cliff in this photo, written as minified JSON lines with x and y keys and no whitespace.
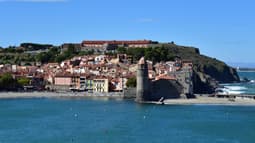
{"x":208,"y":72}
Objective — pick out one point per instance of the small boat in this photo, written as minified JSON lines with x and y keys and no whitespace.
{"x":161,"y":101}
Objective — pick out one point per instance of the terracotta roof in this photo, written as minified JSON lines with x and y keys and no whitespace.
{"x":135,"y":42}
{"x":65,"y":75}
{"x":166,"y":77}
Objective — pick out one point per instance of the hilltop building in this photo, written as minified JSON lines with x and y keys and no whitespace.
{"x":112,"y":45}
{"x":101,"y":46}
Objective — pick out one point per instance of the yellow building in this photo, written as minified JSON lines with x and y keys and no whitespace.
{"x":101,"y":85}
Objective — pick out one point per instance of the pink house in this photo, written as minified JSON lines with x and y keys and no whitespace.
{"x":63,"y":81}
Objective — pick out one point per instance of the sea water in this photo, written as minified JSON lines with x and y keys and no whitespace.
{"x":111,"y":121}
{"x":244,"y":87}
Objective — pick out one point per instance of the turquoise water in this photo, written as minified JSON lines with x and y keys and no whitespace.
{"x":99,"y":121}
{"x":250,"y":75}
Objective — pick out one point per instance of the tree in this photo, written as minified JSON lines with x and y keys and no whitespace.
{"x":69,"y":53}
{"x":122,"y":50}
{"x":137,"y":53}
{"x":7,"y":82}
{"x":60,"y":58}
{"x":23,"y":81}
{"x":131,"y":82}
{"x":10,"y":49}
{"x":43,"y":57}
{"x":35,"y":46}
{"x":89,"y":52}
{"x":19,"y":51}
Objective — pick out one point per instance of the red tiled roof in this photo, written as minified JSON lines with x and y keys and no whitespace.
{"x":136,"y":42}
{"x":65,"y":75}
{"x":164,"y":76}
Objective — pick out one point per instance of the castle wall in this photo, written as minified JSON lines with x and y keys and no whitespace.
{"x":164,"y":88}
{"x":168,"y":89}
{"x":185,"y":79}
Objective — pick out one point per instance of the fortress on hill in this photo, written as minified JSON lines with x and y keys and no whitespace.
{"x":164,"y":87}
{"x":102,"y":46}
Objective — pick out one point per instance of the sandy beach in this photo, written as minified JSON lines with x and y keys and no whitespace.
{"x":17,"y":95}
{"x":199,"y":100}
{"x":210,"y":101}
{"x":9,"y":95}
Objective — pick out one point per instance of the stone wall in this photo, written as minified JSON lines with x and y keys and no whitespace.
{"x":168,"y":89}
{"x":130,"y":93}
{"x":58,"y":88}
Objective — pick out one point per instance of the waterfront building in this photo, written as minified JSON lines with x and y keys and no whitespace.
{"x":118,"y":84}
{"x":82,"y":83}
{"x":101,"y":85}
{"x":63,"y":80}
{"x":66,"y":82}
{"x":89,"y":84}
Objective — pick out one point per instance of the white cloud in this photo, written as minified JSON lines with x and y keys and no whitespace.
{"x":33,"y":0}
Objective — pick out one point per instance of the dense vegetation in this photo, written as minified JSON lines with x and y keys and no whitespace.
{"x":11,"y":49}
{"x":34,"y":46}
{"x":131,"y":82}
{"x":50,"y":56}
{"x":71,"y":52}
{"x":8,"y":83}
{"x":14,"y":55}
{"x":162,"y":52}
{"x":23,"y":81}
{"x":15,"y":58}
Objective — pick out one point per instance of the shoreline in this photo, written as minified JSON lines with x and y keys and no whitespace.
{"x":210,"y":101}
{"x":199,"y":100}
{"x":56,"y":95}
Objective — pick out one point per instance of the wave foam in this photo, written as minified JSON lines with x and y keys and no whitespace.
{"x":235,"y":88}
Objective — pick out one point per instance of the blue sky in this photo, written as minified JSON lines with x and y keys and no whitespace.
{"x":221,"y":28}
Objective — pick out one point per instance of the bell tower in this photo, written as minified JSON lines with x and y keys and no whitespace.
{"x":142,"y":88}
